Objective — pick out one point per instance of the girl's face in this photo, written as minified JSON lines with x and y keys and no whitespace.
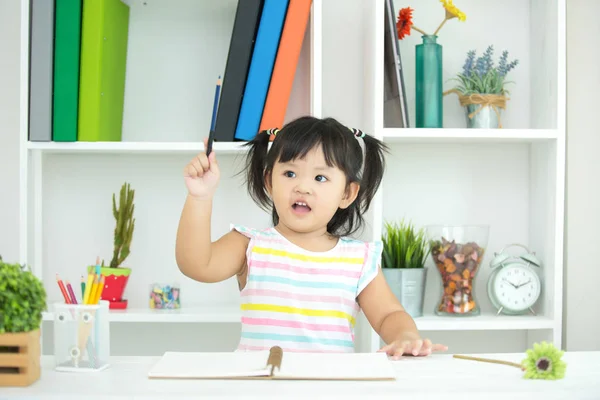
{"x":307,"y":192}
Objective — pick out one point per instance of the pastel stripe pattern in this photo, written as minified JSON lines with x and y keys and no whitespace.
{"x":300,"y":300}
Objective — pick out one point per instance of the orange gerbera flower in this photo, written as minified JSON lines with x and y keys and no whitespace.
{"x":404,"y":22}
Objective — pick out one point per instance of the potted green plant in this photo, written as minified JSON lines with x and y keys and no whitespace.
{"x":22,"y":300}
{"x":481,"y":88}
{"x":405,"y":251}
{"x":115,"y":275}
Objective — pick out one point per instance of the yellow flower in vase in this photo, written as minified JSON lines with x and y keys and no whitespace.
{"x":404,"y":23}
{"x":451,"y":12}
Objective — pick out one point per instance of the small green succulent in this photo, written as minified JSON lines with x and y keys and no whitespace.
{"x":544,"y":362}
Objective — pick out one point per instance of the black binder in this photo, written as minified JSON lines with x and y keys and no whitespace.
{"x":243,"y":36}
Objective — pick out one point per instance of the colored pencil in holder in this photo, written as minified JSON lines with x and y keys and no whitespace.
{"x":71,"y":293}
{"x":88,"y":288}
{"x":94,"y":291}
{"x":63,"y":290}
{"x":99,"y":290}
{"x":97,"y":265}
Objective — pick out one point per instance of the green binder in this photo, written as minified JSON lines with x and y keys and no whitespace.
{"x":104,"y":34}
{"x":67,"y":31}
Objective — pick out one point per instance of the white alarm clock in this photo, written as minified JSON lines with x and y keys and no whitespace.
{"x":514,"y":286}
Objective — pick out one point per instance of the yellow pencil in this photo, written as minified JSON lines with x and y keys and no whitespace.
{"x":99,"y":291}
{"x":94,"y":290}
{"x":88,"y":288}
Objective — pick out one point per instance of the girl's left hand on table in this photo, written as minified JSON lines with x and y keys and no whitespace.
{"x":411,"y":347}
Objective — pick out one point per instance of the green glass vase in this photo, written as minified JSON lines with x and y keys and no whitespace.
{"x":428,"y":59}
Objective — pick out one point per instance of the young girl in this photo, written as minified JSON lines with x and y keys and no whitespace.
{"x":303,"y":280}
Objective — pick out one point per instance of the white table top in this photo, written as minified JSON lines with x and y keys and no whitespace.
{"x":437,"y":377}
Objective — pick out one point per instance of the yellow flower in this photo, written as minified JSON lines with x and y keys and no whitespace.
{"x":452,"y":11}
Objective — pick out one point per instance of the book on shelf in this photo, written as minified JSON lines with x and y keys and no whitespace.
{"x":243,"y":35}
{"x":104,"y":37}
{"x":274,"y":364}
{"x":77,"y":69}
{"x":261,"y":67}
{"x":67,"y":39}
{"x":284,"y":70}
{"x":40,"y":70}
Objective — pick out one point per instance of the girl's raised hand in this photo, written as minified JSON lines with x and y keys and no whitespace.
{"x":202,"y":175}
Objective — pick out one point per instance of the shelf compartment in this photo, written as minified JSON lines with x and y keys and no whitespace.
{"x":176,"y":51}
{"x":485,"y":322}
{"x":207,"y":314}
{"x":509,"y":186}
{"x":536,"y":38}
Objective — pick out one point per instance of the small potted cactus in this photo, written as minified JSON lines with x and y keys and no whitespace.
{"x":115,"y":275}
{"x":22,"y":301}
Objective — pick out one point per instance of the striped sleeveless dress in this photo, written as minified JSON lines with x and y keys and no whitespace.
{"x":300,"y":300}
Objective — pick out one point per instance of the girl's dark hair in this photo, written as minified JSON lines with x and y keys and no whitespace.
{"x":341,"y":149}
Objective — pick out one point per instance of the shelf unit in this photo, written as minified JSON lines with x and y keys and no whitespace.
{"x":66,"y":188}
{"x":511,"y":179}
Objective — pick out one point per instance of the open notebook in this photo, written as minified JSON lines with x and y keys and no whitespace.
{"x":273,"y":364}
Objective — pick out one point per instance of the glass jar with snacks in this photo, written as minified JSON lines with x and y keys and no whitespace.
{"x":457,"y":252}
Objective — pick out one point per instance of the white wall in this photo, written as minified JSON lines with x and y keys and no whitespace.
{"x":342,"y":90}
{"x":582,"y":272}
{"x":9,"y":128}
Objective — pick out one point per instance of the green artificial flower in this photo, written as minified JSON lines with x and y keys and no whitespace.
{"x":544,"y":362}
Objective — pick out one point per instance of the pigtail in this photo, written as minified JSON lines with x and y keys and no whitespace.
{"x":255,"y":169}
{"x":373,"y":170}
{"x":350,"y":220}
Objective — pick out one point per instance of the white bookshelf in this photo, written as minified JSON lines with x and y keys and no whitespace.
{"x":66,"y":188}
{"x":511,"y":179}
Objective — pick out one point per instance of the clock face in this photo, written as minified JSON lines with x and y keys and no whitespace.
{"x":516,"y":287}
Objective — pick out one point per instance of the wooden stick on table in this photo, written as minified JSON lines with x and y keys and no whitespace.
{"x":512,"y":364}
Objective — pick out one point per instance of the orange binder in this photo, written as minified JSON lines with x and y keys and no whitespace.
{"x":286,"y":62}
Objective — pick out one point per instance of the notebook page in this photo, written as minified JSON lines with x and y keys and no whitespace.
{"x":328,"y":366}
{"x":211,"y":365}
